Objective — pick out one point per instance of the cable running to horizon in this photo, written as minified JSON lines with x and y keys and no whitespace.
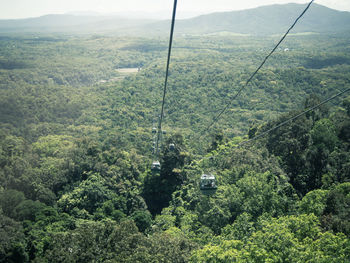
{"x":166,"y":78}
{"x":216,"y":118}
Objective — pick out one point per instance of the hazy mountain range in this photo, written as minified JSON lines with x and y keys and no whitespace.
{"x":258,"y":21}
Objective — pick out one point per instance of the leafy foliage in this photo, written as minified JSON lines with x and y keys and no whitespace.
{"x":75,"y":150}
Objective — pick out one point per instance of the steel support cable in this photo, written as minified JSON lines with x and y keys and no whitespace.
{"x":294,"y":117}
{"x":285,"y":122}
{"x":166,"y":78}
{"x":216,"y":118}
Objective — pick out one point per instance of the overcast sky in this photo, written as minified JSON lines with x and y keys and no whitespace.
{"x":33,"y":8}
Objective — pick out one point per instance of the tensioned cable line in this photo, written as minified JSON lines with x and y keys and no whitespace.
{"x":294,"y":117}
{"x":216,"y":118}
{"x":166,"y":78}
{"x":286,"y":121}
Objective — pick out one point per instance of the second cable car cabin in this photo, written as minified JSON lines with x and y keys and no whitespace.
{"x":171,"y":147}
{"x":155,"y":167}
{"x":208,"y":184}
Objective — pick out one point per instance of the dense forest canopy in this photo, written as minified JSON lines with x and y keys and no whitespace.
{"x":76,"y":115}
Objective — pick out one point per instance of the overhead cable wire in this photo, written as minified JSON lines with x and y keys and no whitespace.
{"x":216,"y":118}
{"x":166,"y":77}
{"x":286,"y":121}
{"x":294,"y":117}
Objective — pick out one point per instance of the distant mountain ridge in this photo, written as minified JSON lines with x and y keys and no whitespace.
{"x":263,"y":20}
{"x":269,"y":20}
{"x":70,"y":23}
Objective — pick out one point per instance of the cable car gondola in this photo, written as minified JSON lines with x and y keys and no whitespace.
{"x":171,"y":147}
{"x":155,"y":167}
{"x":208,"y":184}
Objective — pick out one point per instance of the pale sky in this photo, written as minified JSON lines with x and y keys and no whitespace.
{"x":33,"y":8}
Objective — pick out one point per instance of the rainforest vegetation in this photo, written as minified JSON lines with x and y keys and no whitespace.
{"x":76,"y":115}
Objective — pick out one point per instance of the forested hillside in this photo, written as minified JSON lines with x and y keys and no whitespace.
{"x":264,"y":20}
{"x":76,"y":115}
{"x":272,"y":19}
